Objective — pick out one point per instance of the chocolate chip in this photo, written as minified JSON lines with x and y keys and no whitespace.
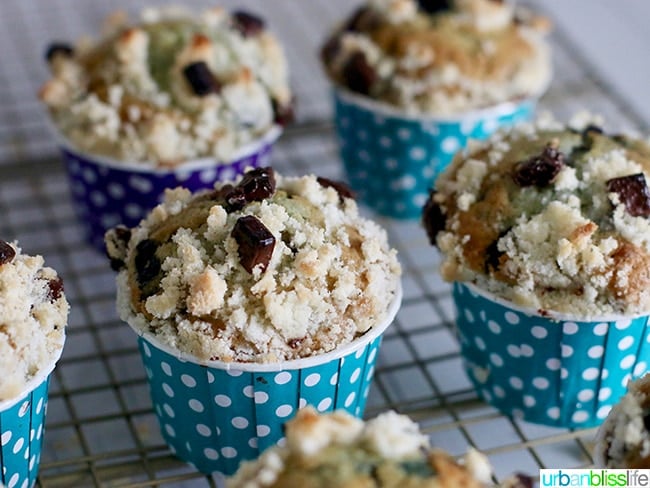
{"x":7,"y":253}
{"x":433,"y":218}
{"x":58,"y":48}
{"x":256,"y":185}
{"x":632,"y":191}
{"x":433,"y":6}
{"x":330,"y":49}
{"x":201,"y":79}
{"x":147,"y":264}
{"x":55,"y":288}
{"x":539,"y":170}
{"x":282,"y":114}
{"x":341,"y":188}
{"x":520,"y":480}
{"x":255,"y":243}
{"x":646,"y":420}
{"x":248,"y":24}
{"x":362,"y":19}
{"x":358,"y":75}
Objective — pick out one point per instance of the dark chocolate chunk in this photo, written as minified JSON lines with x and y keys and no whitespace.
{"x":255,"y":243}
{"x":248,"y":24}
{"x":147,"y":264}
{"x":256,"y":185}
{"x":58,"y":48}
{"x":358,"y":75}
{"x":201,"y":79}
{"x":362,"y":19}
{"x":433,"y":219}
{"x":282,"y":114}
{"x":119,"y":237}
{"x":433,"y":6}
{"x":539,"y":170}
{"x":632,"y":191}
{"x":520,"y":480}
{"x":55,"y":288}
{"x":7,"y":253}
{"x":341,"y":188}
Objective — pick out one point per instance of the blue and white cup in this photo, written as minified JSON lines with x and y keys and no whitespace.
{"x":548,"y":368}
{"x":107,"y":192}
{"x":392,"y":159}
{"x":22,"y":423}
{"x":216,"y":414}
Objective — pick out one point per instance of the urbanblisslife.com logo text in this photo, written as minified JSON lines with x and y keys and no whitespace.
{"x":600,"y":478}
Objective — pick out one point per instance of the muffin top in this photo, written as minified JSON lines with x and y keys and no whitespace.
{"x":624,"y":439}
{"x":440,"y":57}
{"x":274,"y":268}
{"x":33,"y":313}
{"x":549,"y":216}
{"x":337,"y":449}
{"x":171,"y":88}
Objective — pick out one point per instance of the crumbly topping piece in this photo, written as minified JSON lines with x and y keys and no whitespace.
{"x":271,"y":268}
{"x":33,"y":315}
{"x":549,"y":217}
{"x":440,"y":58}
{"x":337,"y":449}
{"x":624,"y":438}
{"x":173,"y":87}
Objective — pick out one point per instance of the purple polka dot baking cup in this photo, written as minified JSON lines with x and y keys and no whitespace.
{"x":22,"y":421}
{"x":215,"y":415}
{"x":391,"y":160}
{"x":552,"y":370}
{"x":106,"y":192}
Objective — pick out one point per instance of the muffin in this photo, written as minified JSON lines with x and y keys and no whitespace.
{"x":175,"y":98}
{"x":414,"y":80}
{"x":34,"y":312}
{"x":269,"y":275}
{"x":623,"y":440}
{"x":339,"y":450}
{"x":544,"y":231}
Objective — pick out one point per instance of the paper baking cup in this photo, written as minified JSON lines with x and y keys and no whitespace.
{"x":107,"y":192}
{"x":22,"y":421}
{"x":215,"y":415}
{"x":550,"y":370}
{"x":391,"y":160}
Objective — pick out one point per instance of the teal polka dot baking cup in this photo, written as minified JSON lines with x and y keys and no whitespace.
{"x":214,"y":414}
{"x":21,"y":423}
{"x":391,"y":160}
{"x":550,"y":370}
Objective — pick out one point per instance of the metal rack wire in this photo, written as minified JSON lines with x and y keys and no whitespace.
{"x":101,"y":430}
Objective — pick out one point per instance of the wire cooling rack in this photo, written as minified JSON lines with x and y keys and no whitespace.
{"x":101,"y":430}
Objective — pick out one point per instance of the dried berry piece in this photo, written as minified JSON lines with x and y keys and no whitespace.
{"x":358,"y":75}
{"x":433,"y":218}
{"x":255,"y":243}
{"x":433,"y":6}
{"x":201,"y":79}
{"x":282,"y":114}
{"x":147,"y":264}
{"x":248,"y":24}
{"x":55,"y":288}
{"x":7,"y":253}
{"x":58,"y":48}
{"x":493,"y":255}
{"x":341,"y":188}
{"x":632,"y":191}
{"x":539,"y":170}
{"x":256,"y":185}
{"x":646,"y":420}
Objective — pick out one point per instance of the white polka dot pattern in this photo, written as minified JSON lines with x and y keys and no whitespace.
{"x":21,"y":441}
{"x":217,"y":418}
{"x":105,"y":196}
{"x":392,"y":162}
{"x":561,"y":373}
